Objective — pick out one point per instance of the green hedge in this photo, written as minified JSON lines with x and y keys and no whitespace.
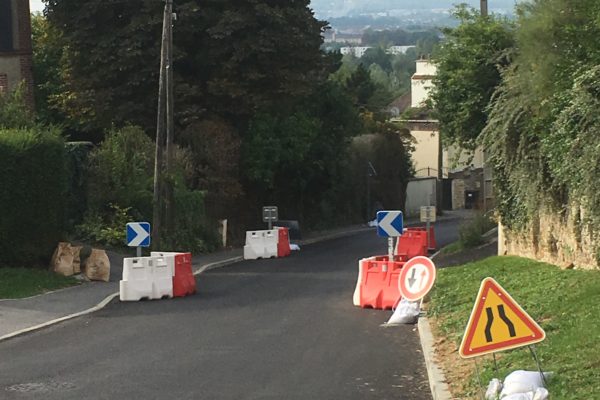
{"x":32,"y":195}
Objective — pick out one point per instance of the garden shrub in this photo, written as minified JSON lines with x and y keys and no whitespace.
{"x":33,"y":179}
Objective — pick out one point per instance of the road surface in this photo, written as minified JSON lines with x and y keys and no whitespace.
{"x":265,"y":329}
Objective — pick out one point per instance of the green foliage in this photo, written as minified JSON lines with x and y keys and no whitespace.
{"x":566,"y":303}
{"x":230,"y":58}
{"x":471,"y":232}
{"x":121,"y":172}
{"x":33,"y":181}
{"x":388,"y":150}
{"x":469,"y":63}
{"x":48,"y":68}
{"x":540,"y":125}
{"x":120,"y":190}
{"x":107,"y":228}
{"x":14,"y":113}
{"x":544,"y":114}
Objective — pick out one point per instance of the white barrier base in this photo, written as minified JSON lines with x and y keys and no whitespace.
{"x":253,"y":253}
{"x":135,"y":290}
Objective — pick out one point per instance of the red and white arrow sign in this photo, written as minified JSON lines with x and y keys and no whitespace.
{"x":416,"y":278}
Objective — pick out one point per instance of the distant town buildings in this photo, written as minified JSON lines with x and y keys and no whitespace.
{"x":333,"y":36}
{"x":15,"y":47}
{"x":359,"y":51}
{"x":396,"y":50}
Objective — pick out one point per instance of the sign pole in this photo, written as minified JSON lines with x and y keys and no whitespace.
{"x":479,"y":379}
{"x":270,"y":225}
{"x":428,"y":233}
{"x":138,"y":251}
{"x":537,"y":361}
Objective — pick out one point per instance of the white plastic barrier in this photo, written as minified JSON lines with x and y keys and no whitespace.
{"x":271,"y":241}
{"x":168,"y":256}
{"x":146,"y":277}
{"x":162,"y":278}
{"x":137,"y":279}
{"x":356,"y":297}
{"x":255,"y":245}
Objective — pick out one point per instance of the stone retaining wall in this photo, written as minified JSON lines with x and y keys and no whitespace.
{"x":556,"y":238}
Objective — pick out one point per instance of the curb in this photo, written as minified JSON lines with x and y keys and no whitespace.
{"x":97,"y":307}
{"x":200,"y":270}
{"x":437,"y":379}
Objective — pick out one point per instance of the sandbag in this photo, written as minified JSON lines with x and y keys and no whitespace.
{"x":522,"y":382}
{"x":519,"y":396}
{"x":97,"y":266}
{"x":76,"y":250}
{"x":62,"y":259}
{"x":493,"y":390}
{"x":406,"y":313}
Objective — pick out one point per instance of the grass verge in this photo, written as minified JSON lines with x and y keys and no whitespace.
{"x":452,"y":248}
{"x":16,"y":283}
{"x":566,"y":303}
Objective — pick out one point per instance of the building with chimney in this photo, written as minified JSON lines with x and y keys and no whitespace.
{"x":15,"y":47}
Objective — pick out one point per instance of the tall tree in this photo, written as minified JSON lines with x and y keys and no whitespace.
{"x":469,"y":62}
{"x":231,"y":57}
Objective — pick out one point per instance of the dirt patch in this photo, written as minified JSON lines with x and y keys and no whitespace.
{"x":456,"y":370}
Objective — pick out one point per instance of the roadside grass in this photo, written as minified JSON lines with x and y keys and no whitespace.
{"x":16,"y":283}
{"x":470,"y":234}
{"x":452,"y":248}
{"x":566,"y":304}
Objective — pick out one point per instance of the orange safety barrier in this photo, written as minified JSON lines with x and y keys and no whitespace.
{"x":184,"y":282}
{"x":283,"y":244}
{"x":378,"y":286}
{"x":412,"y":243}
{"x":432,"y":242}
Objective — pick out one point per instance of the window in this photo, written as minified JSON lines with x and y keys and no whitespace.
{"x":6,"y":36}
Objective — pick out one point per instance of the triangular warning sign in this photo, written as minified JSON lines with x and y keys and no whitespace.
{"x":497,"y":323}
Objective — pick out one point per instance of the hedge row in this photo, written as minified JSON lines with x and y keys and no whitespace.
{"x":33,"y":186}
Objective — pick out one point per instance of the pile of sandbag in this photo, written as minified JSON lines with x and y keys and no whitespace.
{"x":519,"y":385}
{"x":67,"y":260}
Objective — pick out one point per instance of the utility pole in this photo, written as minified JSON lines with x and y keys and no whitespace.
{"x":170,"y":200}
{"x":484,"y":8}
{"x":164,"y":120}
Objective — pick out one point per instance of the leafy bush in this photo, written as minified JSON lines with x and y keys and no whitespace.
{"x":471,"y":233}
{"x":108,"y":228}
{"x":120,"y":190}
{"x":14,"y":112}
{"x":32,"y":194}
{"x":121,"y":173}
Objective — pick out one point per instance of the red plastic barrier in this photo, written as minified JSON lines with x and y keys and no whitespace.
{"x":379,"y":286}
{"x":184,"y":282}
{"x":283,"y":243}
{"x":432,"y":242}
{"x":412,"y":243}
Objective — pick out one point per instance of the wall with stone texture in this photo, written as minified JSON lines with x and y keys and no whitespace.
{"x":555,"y":238}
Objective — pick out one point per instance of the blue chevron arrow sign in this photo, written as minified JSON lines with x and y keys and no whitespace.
{"x":390,"y":223}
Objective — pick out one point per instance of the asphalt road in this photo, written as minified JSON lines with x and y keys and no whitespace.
{"x":266,"y":329}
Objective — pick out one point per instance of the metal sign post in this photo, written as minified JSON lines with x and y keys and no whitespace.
{"x":270,"y":215}
{"x":428,"y":216}
{"x":390,"y":224}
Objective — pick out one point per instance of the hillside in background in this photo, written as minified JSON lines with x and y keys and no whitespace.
{"x":339,"y":8}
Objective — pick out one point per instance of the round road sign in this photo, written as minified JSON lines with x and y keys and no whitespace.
{"x":416,"y":278}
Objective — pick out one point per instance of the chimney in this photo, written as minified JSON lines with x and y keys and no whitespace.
{"x":484,"y":8}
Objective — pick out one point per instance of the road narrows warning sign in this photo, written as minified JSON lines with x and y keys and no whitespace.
{"x":497,"y":323}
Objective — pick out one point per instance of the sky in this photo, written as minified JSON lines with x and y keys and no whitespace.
{"x":36,"y":5}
